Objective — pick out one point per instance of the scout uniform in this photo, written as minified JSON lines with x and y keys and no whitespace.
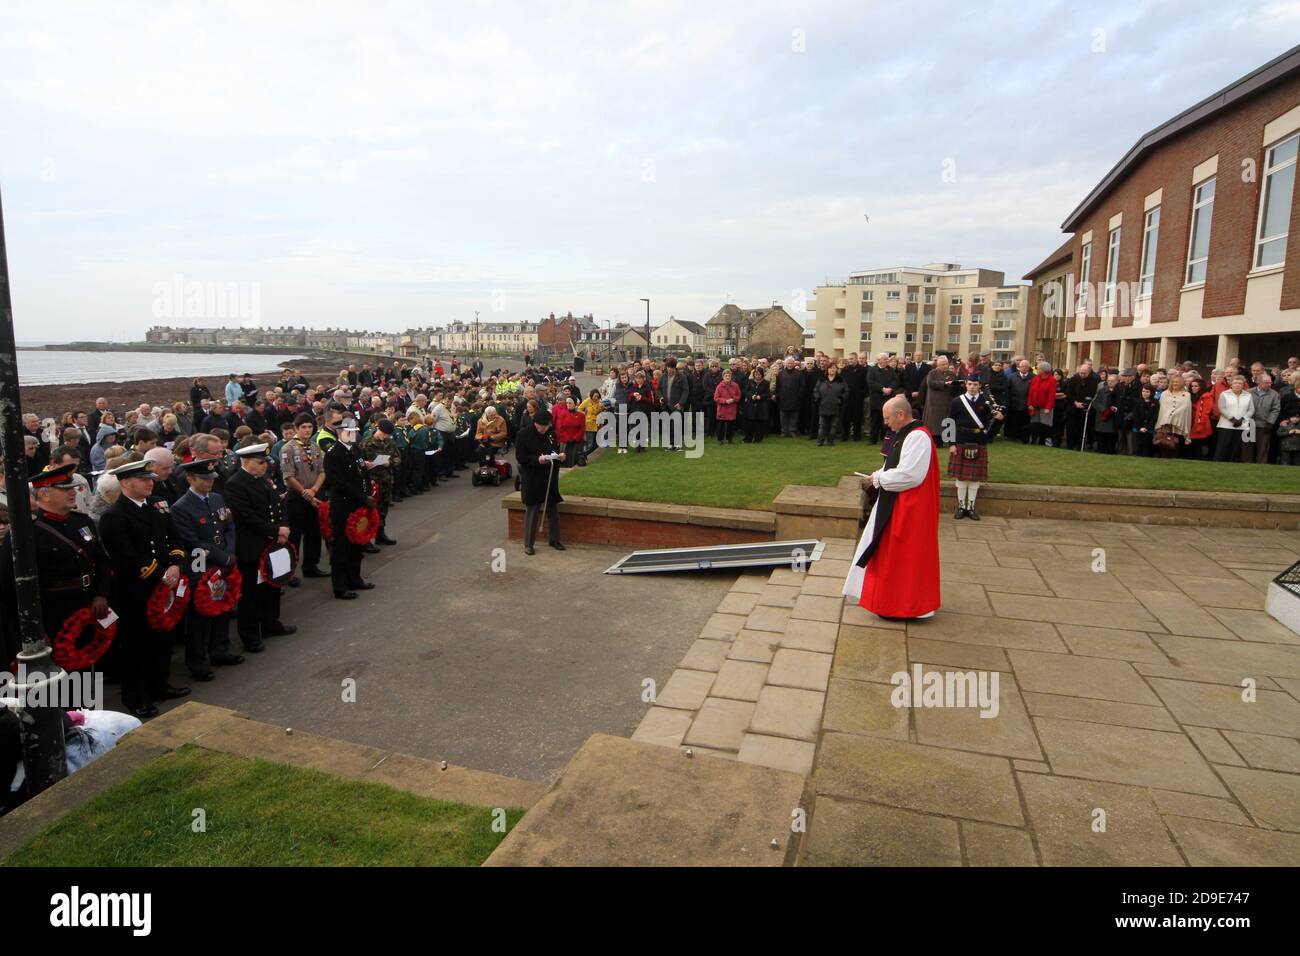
{"x":381,"y":443}
{"x":303,"y":461}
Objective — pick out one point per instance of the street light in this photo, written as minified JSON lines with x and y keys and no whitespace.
{"x":44,"y":755}
{"x":647,"y":328}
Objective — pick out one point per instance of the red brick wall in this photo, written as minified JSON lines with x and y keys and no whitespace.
{"x":635,"y":534}
{"x":1235,"y":136}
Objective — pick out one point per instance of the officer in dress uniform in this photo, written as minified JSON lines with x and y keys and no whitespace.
{"x":301,"y":464}
{"x":968,"y":458}
{"x":349,"y":489}
{"x":71,"y":563}
{"x":259,"y":523}
{"x":205,"y":528}
{"x":136,"y":532}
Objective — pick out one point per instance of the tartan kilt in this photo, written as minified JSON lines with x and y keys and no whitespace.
{"x":962,"y":468}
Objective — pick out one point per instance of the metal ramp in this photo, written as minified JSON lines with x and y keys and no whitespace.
{"x":761,"y":554}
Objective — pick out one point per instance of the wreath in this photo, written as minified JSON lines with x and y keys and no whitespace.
{"x":323,"y":519}
{"x":264,"y":565}
{"x":167,"y":605}
{"x":73,"y":656}
{"x":363,"y":525}
{"x":217,"y":591}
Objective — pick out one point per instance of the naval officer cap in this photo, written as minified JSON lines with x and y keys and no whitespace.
{"x":133,"y":469}
{"x":258,"y":451}
{"x":348,"y":425}
{"x":201,"y":467}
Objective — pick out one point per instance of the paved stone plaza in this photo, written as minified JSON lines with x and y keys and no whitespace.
{"x":1121,"y":701}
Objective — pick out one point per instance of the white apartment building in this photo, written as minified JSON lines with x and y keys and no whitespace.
{"x":935,"y":308}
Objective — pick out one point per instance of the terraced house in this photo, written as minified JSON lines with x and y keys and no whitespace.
{"x":1186,"y":250}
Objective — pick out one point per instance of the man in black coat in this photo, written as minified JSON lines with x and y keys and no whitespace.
{"x":136,"y":532}
{"x":789,"y":396}
{"x":882,"y":383}
{"x":1018,"y":401}
{"x":259,"y":523}
{"x":914,"y":374}
{"x":1079,"y":391}
{"x":855,"y":392}
{"x":813,"y":373}
{"x":539,"y":479}
{"x":349,"y":489}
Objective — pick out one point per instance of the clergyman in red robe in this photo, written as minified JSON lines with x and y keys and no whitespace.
{"x":895,"y":569}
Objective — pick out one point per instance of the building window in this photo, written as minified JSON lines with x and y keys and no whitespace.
{"x":1150,"y":237}
{"x":926,"y":338}
{"x":1275,"y":207}
{"x":960,"y":280}
{"x":927,"y":318}
{"x":1198,"y":250}
{"x":1112,"y":267}
{"x":909,"y":338}
{"x":974,"y":338}
{"x":911,"y":297}
{"x":866,"y":296}
{"x":977,"y":319}
{"x":977,"y":300}
{"x":891,"y":336}
{"x":957,"y":300}
{"x":929,"y":298}
{"x":1085,"y":273}
{"x":891,"y":316}
{"x":892,"y":295}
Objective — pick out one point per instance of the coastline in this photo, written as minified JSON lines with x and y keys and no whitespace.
{"x":51,"y":401}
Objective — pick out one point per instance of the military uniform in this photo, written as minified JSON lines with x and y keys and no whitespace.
{"x":139,"y":543}
{"x":204,"y":527}
{"x":258,"y":520}
{"x":72,"y":566}
{"x":346,"y":478}
{"x":304,"y":461}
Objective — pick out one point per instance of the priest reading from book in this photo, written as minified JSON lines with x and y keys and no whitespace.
{"x":895,"y":569}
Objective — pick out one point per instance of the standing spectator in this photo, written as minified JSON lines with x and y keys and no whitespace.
{"x":1235,"y":409}
{"x":1175,"y":415}
{"x":570,"y":429}
{"x":1268,"y":407}
{"x":756,"y":393}
{"x":1018,"y":402}
{"x":790,"y":397}
{"x":831,"y":395}
{"x":882,"y":383}
{"x":1041,"y":406}
{"x":591,"y":408}
{"x":1104,"y":408}
{"x":1204,"y":415}
{"x":1145,"y":413}
{"x":727,"y":398}
{"x":1079,"y":392}
{"x":940,"y":388}
{"x":854,"y":375}
{"x":914,"y":377}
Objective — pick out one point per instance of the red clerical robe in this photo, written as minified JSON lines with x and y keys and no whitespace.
{"x":901,"y":577}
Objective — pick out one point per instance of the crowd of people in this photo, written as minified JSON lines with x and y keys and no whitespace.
{"x":127,"y":506}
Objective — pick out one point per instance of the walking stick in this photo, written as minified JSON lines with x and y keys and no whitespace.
{"x":550,"y":472}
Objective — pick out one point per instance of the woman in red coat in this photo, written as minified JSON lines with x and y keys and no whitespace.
{"x":727,"y":399}
{"x":1205,"y":415}
{"x":570,"y":430}
{"x":1041,"y":404}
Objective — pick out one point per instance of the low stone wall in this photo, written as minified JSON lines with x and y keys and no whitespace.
{"x":643,"y":524}
{"x":812,"y":511}
{"x":1136,"y":506}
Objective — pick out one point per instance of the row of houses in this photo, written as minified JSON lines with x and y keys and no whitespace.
{"x":1182,"y":251}
{"x":730,"y":331}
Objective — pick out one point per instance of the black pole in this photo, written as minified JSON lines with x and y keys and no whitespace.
{"x":649,"y":353}
{"x":44,"y":756}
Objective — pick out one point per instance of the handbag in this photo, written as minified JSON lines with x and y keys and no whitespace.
{"x":1166,"y":438}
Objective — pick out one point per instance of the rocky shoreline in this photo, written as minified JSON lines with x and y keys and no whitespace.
{"x":51,"y":401}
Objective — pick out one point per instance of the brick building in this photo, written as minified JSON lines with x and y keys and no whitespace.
{"x":1181,"y":252}
{"x":1045,"y":326}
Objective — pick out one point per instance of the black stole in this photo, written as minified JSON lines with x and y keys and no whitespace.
{"x":885,"y":500}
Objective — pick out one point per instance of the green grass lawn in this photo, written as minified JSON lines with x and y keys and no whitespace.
{"x":260,"y":814}
{"x":751,"y":476}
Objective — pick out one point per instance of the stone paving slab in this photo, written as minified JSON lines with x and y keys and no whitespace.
{"x":1080,"y":677}
{"x":1009,"y":733}
{"x":1063,"y":814}
{"x":619,"y":802}
{"x":850,"y":833}
{"x":928,"y":779}
{"x":989,"y":845}
{"x":1220,"y":844}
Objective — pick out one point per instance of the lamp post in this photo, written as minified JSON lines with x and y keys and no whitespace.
{"x":44,"y":756}
{"x":647,"y":328}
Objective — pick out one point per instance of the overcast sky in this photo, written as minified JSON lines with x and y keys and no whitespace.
{"x":384,"y":165}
